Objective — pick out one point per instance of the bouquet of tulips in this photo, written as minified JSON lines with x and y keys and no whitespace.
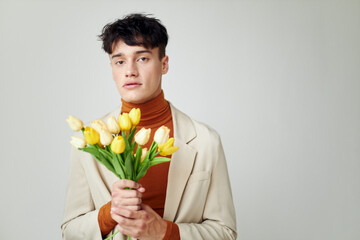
{"x":114,"y":145}
{"x":118,"y":148}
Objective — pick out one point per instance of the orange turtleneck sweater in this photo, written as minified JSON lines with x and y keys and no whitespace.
{"x":154,"y":114}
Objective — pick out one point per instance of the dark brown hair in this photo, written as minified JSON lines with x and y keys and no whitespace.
{"x":135,"y":30}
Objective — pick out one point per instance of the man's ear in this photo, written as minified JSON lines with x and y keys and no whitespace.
{"x":164,"y":64}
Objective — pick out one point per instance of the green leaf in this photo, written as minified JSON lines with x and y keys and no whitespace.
{"x":131,"y":134}
{"x":137,"y":159}
{"x":156,"y":153}
{"x":117,"y":163}
{"x":153,"y":146}
{"x":129,"y":167}
{"x":103,"y":153}
{"x":146,"y":159}
{"x":127,"y":144}
{"x":120,"y":159}
{"x":118,"y":167}
{"x":142,"y":171}
{"x":159,"y":160}
{"x":133,"y":146}
{"x":103,"y":161}
{"x":91,"y":149}
{"x":106,"y":154}
{"x":153,"y":150}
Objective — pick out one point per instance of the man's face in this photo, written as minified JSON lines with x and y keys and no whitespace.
{"x":137,"y":72}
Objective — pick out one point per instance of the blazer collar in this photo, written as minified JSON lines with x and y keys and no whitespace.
{"x":181,"y":163}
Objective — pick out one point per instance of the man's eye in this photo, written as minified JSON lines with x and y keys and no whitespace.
{"x":143,"y":59}
{"x":119,"y":62}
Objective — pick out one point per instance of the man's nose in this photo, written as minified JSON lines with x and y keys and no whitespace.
{"x":131,"y":70}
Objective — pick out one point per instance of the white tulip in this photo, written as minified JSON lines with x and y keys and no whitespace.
{"x":105,"y":137}
{"x":78,"y":142}
{"x":142,"y":137}
{"x":113,"y":125}
{"x":161,"y":135}
{"x":99,"y":125}
{"x":75,"y":123}
{"x":143,"y":154}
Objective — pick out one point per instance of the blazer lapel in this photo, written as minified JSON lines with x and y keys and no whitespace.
{"x":181,"y":163}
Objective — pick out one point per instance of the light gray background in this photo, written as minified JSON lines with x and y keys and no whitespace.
{"x":279,"y":80}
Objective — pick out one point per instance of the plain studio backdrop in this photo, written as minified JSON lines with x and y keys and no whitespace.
{"x":279,"y":81}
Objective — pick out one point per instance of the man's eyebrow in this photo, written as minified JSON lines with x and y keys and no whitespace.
{"x":143,"y":51}
{"x":137,"y":52}
{"x":116,"y":55}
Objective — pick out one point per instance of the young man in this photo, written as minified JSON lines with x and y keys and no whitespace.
{"x":188,"y":198}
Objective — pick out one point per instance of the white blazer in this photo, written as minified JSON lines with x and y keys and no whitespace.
{"x":198,"y":196}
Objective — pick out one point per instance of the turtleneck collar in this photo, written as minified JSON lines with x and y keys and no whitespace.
{"x":154,"y":113}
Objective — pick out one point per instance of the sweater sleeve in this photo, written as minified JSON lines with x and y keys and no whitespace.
{"x":172,"y":231}
{"x":106,"y":223}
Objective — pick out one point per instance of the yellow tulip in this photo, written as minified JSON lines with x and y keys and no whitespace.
{"x":75,"y":123}
{"x":161,"y":135}
{"x":105,"y":137}
{"x":167,"y":148}
{"x":113,"y":125}
{"x":98,"y":125}
{"x":118,"y":145}
{"x":142,"y":137}
{"x":78,"y":142}
{"x":92,"y":137}
{"x":124,"y":122}
{"x":135,"y":115}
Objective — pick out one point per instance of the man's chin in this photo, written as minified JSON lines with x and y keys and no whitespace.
{"x":134,"y":99}
{"x":137,"y":96}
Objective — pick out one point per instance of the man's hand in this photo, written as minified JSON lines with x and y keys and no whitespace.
{"x":144,"y":224}
{"x":135,"y":219}
{"x":122,"y":198}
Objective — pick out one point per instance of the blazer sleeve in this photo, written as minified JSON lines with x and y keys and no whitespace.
{"x":219,"y":220}
{"x":80,"y":217}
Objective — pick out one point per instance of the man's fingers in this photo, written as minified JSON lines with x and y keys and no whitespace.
{"x":141,"y":189}
{"x":133,"y":207}
{"x":127,"y":201}
{"x":126,"y":183}
{"x":129,"y":231}
{"x":147,"y":208}
{"x":126,"y":193}
{"x":125,"y":213}
{"x":128,"y":226}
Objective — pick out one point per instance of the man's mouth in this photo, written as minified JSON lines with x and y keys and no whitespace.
{"x":131,"y":85}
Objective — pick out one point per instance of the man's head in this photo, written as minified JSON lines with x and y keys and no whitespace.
{"x":135,"y":30}
{"x":136,"y":47}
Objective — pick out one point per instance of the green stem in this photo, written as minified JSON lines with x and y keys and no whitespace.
{"x":112,"y":235}
{"x":128,"y":237}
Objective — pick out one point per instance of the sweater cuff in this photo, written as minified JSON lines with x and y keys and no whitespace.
{"x":106,"y":223}
{"x":172,"y":231}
